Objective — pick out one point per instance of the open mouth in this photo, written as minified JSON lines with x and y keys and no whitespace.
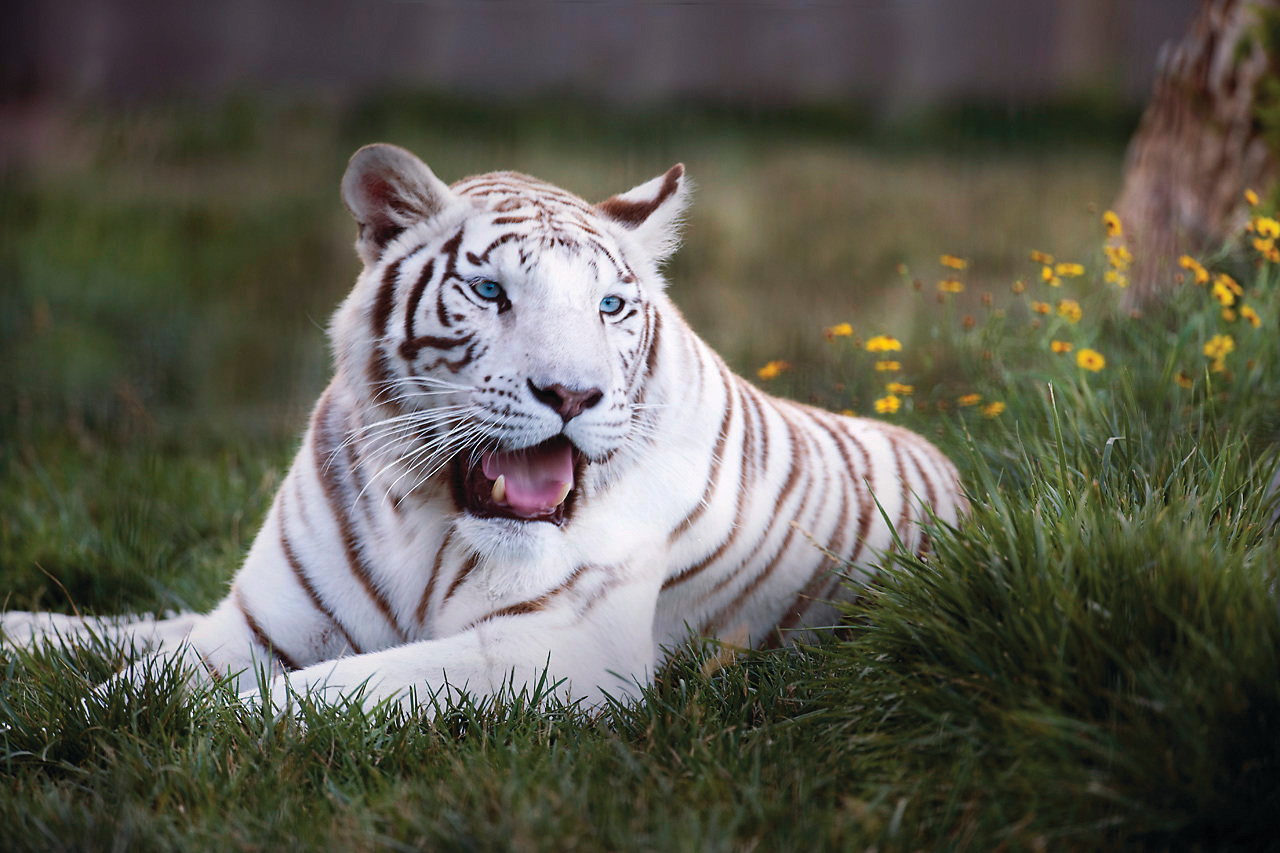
{"x":532,"y":484}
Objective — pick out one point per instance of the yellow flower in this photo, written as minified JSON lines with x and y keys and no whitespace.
{"x":1091,"y":360}
{"x":1267,"y":227}
{"x":1263,"y":246}
{"x":1112,"y":223}
{"x":1251,"y":197}
{"x":848,"y":413}
{"x":772,"y":369}
{"x":1252,"y":316}
{"x":884,"y":343}
{"x":1041,"y":257}
{"x":1041,"y":307}
{"x":1228,"y":315}
{"x":1069,"y":270}
{"x":888,"y":365}
{"x":1018,"y":286}
{"x":1183,"y":379}
{"x":1189,"y":263}
{"x":1223,"y":294}
{"x":899,"y":389}
{"x":1061,"y":346}
{"x":888,"y":405}
{"x":1070,"y":309}
{"x":1118,"y":256}
{"x":1219,"y":346}
{"x":1117,"y":278}
{"x":1047,"y":276}
{"x":1230,"y":283}
{"x":839,"y":330}
{"x":953,"y":262}
{"x":1218,"y":365}
{"x":969,"y":400}
{"x":950,"y":285}
{"x":991,"y":410}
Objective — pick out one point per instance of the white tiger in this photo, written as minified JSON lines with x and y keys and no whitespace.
{"x":527,"y":462}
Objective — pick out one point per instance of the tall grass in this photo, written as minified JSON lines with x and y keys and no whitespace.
{"x":1089,"y":661}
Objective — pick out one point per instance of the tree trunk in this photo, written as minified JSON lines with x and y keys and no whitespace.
{"x":1199,"y":145}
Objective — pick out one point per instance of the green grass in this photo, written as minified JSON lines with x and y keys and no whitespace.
{"x":1088,"y":662}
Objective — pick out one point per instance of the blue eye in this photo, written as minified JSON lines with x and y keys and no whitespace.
{"x":487,"y":289}
{"x":611,"y":305}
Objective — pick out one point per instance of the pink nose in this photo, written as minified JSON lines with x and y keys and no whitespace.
{"x":567,"y":402}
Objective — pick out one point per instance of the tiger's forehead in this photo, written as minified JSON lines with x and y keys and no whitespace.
{"x":524,"y":208}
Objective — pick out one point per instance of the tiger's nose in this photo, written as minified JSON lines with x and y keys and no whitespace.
{"x":567,"y":402}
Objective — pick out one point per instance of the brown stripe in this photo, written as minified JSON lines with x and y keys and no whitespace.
{"x":468,"y":566}
{"x":905,"y":513}
{"x":382,"y":306}
{"x":787,"y":488}
{"x":483,"y":257}
{"x":304,"y":581}
{"x":533,"y":605}
{"x":450,"y":253}
{"x":260,"y":636}
{"x":795,"y":613}
{"x":409,"y":349}
{"x":716,"y":458}
{"x":425,"y":602}
{"x":415,"y":296}
{"x":719,"y":619}
{"x":333,"y":492}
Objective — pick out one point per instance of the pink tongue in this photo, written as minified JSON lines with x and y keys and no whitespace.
{"x":534,"y":476}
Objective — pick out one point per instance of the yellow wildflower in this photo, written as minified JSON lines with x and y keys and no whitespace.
{"x":1263,"y":246}
{"x":1219,"y":346}
{"x":1117,"y":278}
{"x":1252,"y":316}
{"x":1070,"y":309}
{"x":1091,"y":360}
{"x":1041,"y":257}
{"x":969,"y":400}
{"x":900,"y":389}
{"x":1118,"y":256}
{"x":772,"y":369}
{"x":1229,"y":283}
{"x":1189,"y":263}
{"x":839,"y":330}
{"x":1251,"y":197}
{"x":1112,"y":223}
{"x":1267,"y":227}
{"x":888,"y":365}
{"x":1228,"y":315}
{"x":1183,"y":379}
{"x":884,"y":343}
{"x":953,"y":262}
{"x":1069,"y":270}
{"x":1018,"y":286}
{"x":1223,"y":294}
{"x":1061,"y":346}
{"x":1047,"y":276}
{"x":950,"y":285}
{"x":1041,"y":307}
{"x":848,"y":413}
{"x":991,"y":410}
{"x":1218,"y":365}
{"x":888,"y":405}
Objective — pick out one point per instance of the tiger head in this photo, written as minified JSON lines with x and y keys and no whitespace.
{"x":501,"y":331}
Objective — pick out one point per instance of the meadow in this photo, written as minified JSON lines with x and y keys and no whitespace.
{"x":1089,"y":662}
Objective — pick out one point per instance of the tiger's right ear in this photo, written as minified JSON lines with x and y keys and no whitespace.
{"x":387,"y":189}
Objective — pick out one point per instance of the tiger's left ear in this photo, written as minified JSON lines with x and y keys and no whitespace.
{"x":652,"y":211}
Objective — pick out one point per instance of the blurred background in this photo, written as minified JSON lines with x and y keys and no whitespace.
{"x":172,"y":241}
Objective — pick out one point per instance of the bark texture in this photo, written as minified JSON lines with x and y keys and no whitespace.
{"x":1199,"y":144}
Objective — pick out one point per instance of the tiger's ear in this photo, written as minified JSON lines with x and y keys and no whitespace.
{"x":652,"y":211}
{"x":387,"y":190}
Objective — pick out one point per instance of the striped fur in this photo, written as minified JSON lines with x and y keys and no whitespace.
{"x":699,"y":503}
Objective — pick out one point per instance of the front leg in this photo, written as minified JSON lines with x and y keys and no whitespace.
{"x":591,"y":647}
